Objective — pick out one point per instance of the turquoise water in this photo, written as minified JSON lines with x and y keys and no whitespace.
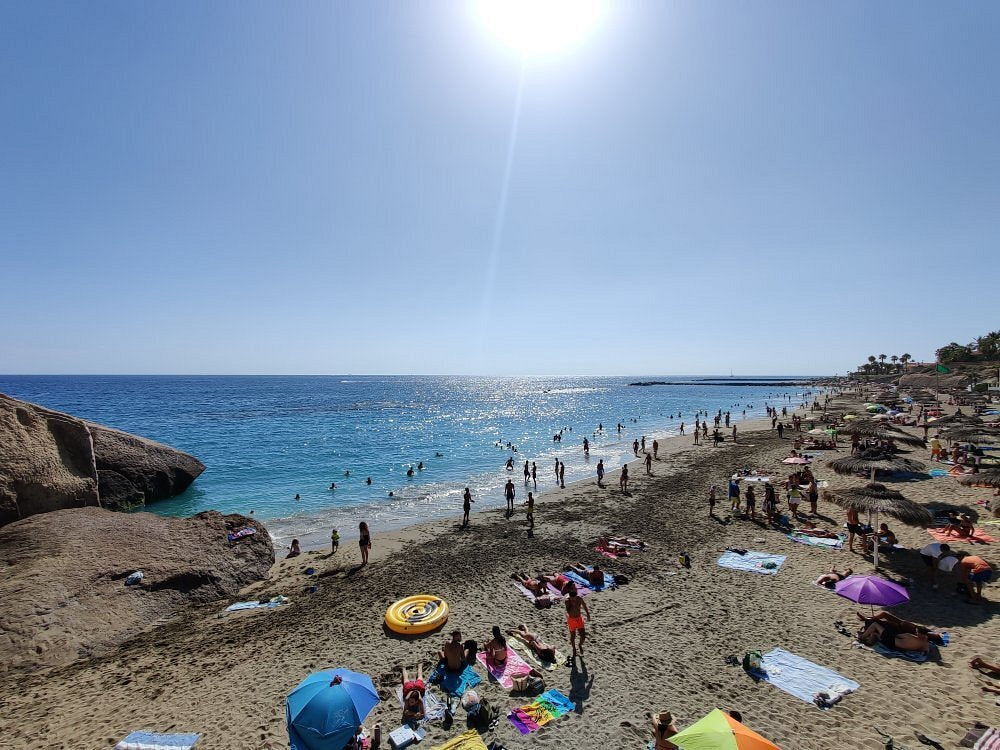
{"x":266,"y":439}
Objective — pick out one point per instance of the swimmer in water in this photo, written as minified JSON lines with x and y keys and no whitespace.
{"x":409,"y":472}
{"x":297,"y":496}
{"x":347,"y":473}
{"x":390,"y":493}
{"x":420,"y":466}
{"x":333,"y":485}
{"x":439,"y":455}
{"x":368,"y":480}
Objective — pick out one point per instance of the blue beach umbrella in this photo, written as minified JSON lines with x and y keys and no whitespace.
{"x":324,"y":711}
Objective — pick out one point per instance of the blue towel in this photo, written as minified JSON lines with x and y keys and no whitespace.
{"x":579,"y":580}
{"x":890,"y":653}
{"x":557,"y":699}
{"x":800,"y":677}
{"x":752,"y":561}
{"x":139,"y":740}
{"x":454,"y":683}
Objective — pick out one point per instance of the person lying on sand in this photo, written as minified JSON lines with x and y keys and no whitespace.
{"x":663,"y":729}
{"x":558,"y":580}
{"x":533,"y":585}
{"x":892,"y":635}
{"x":538,"y":647}
{"x":901,"y":625}
{"x":621,"y":541}
{"x":594,"y":577}
{"x":988,"y":669}
{"x":821,"y":533}
{"x":831,"y":579}
{"x":417,"y":684}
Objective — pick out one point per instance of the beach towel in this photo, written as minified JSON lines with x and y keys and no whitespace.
{"x":548,"y":706}
{"x":753,"y":562}
{"x":469,"y":740}
{"x":530,"y":656}
{"x":978,"y":536}
{"x":938,"y":473}
{"x":454,"y":683}
{"x":801,"y":677}
{"x":530,"y":596}
{"x":434,"y":707}
{"x":504,"y":673}
{"x":241,"y":534}
{"x":891,"y":653}
{"x":989,"y":741}
{"x":817,"y":541}
{"x":612,"y":555}
{"x":153,"y":741}
{"x":276,"y":602}
{"x":579,"y":580}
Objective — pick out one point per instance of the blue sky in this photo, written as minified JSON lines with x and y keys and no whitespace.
{"x":695,"y":187}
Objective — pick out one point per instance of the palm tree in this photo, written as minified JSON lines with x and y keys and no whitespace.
{"x":871,"y":358}
{"x":904,"y":359}
{"x":894,"y":359}
{"x":881,"y":359}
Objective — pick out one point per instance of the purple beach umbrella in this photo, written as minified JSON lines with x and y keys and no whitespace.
{"x":872,"y":590}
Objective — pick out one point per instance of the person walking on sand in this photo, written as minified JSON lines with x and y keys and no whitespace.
{"x":635,"y":448}
{"x":711,"y":501}
{"x":623,"y":479}
{"x":534,"y":475}
{"x":364,"y":541}
{"x":509,"y":493}
{"x":531,"y":511}
{"x":467,"y":502}
{"x":656,"y":448}
{"x":781,"y":430}
{"x":734,"y":433}
{"x":734,"y":495}
{"x":649,"y":465}
{"x":574,"y":619}
{"x":643,"y":444}
{"x":562,"y":475}
{"x":682,"y":428}
{"x":600,"y":473}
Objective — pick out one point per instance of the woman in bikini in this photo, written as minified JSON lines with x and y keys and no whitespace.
{"x":364,"y":541}
{"x":496,"y":648}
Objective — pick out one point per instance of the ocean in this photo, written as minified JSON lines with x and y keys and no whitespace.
{"x":265,"y":440}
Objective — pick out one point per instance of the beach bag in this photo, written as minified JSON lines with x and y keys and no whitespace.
{"x":485,"y":717}
{"x":753,"y":661}
{"x":531,"y":682}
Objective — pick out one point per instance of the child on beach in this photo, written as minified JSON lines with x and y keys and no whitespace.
{"x":334,"y":541}
{"x":574,"y":620}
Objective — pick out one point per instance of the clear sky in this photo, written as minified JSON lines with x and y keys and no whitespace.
{"x":694,"y":187}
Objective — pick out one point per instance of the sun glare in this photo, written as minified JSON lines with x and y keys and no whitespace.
{"x":540,"y":28}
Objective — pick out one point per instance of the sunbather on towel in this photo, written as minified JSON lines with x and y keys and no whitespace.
{"x":496,"y":648}
{"x":901,"y":626}
{"x":831,"y":579}
{"x":558,"y":580}
{"x":890,"y":637}
{"x":620,"y":541}
{"x":663,"y":729}
{"x":542,"y":596}
{"x":594,"y":577}
{"x":538,"y":647}
{"x":821,"y":533}
{"x":985,"y":667}
{"x":418,"y":684}
{"x":413,"y":708}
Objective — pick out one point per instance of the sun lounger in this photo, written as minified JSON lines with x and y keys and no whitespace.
{"x":434,"y":707}
{"x":469,"y":740}
{"x":548,"y":706}
{"x":504,"y":673}
{"x":530,"y":656}
{"x":454,"y":683}
{"x":753,"y":562}
{"x":153,"y":741}
{"x":801,"y":677}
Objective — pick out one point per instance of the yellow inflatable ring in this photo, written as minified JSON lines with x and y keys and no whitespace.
{"x":416,"y":614}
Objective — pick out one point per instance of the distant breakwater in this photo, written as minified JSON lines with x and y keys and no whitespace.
{"x":738,"y":383}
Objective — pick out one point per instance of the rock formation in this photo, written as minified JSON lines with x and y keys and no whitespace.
{"x":63,"y":587}
{"x":50,"y":460}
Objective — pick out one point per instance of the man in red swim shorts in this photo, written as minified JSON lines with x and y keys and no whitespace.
{"x":574,"y":603}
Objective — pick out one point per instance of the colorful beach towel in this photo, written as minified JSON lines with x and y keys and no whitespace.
{"x":469,"y":740}
{"x":989,"y":741}
{"x":504,"y":673}
{"x":801,"y":677}
{"x":241,"y":534}
{"x":548,"y":706}
{"x":454,"y":683}
{"x":818,"y":541}
{"x":579,"y":580}
{"x":434,"y":707}
{"x":529,"y":655}
{"x":153,"y":741}
{"x":978,"y":536}
{"x":754,"y":562}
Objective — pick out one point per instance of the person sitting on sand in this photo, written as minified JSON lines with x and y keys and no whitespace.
{"x":496,"y":648}
{"x":294,"y":550}
{"x":593,"y":576}
{"x":820,"y":533}
{"x":965,"y":527}
{"x":453,"y":654}
{"x":663,"y":729}
{"x":886,"y":539}
{"x":539,"y":648}
{"x":831,"y":579}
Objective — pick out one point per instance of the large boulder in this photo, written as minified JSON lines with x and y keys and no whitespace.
{"x":52,"y":460}
{"x":63,"y":585}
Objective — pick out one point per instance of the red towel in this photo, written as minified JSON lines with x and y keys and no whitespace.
{"x":977,"y":536}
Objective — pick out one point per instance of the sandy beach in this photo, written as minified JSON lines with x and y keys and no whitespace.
{"x":658,"y":642}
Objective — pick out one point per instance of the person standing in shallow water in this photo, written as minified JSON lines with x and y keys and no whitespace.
{"x":600,"y":473}
{"x":527,"y":472}
{"x":364,"y":541}
{"x":562,"y":475}
{"x":656,"y":448}
{"x":534,"y":475}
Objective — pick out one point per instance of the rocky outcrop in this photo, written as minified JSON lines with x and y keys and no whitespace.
{"x":63,"y":584}
{"x":931,"y":380}
{"x":50,"y":460}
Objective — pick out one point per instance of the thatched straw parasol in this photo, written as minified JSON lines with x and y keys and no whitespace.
{"x":964,"y":419}
{"x":877,"y":498}
{"x":870,"y":428}
{"x":871,"y":462}
{"x":972,"y":434}
{"x":989,"y":478}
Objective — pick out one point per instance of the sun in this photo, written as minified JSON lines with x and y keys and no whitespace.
{"x":540,"y":28}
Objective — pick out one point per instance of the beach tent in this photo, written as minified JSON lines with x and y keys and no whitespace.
{"x":326,"y":708}
{"x":720,"y":731}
